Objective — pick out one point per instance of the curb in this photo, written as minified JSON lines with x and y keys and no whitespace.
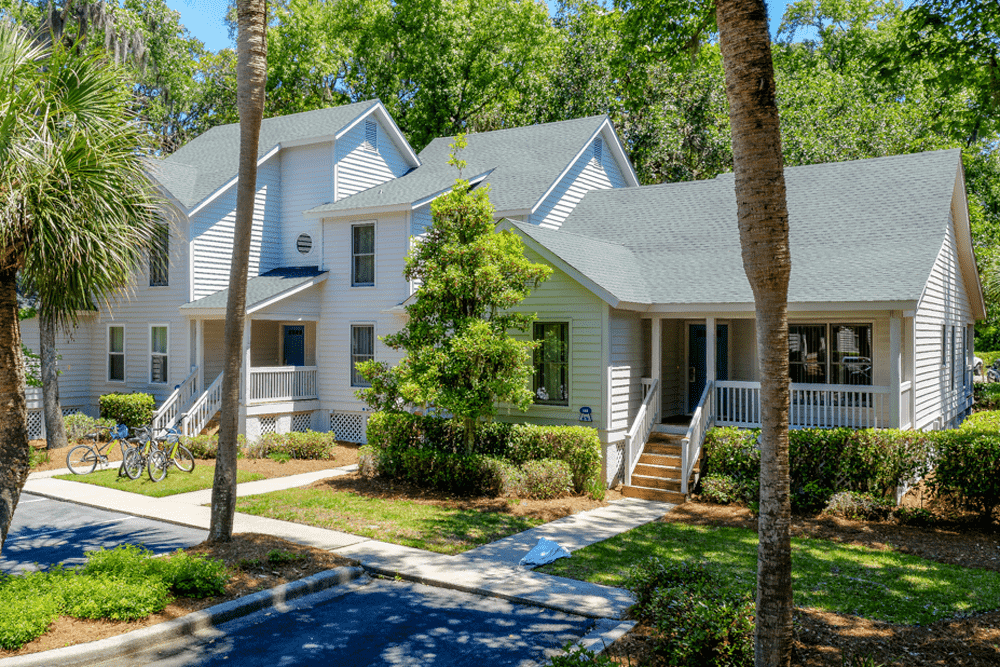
{"x":605,"y":633}
{"x":133,"y":644}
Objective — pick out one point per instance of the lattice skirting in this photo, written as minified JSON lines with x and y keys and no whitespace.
{"x":301,"y":421}
{"x":349,"y":426}
{"x":36,"y":425}
{"x":615,"y":462}
{"x":268,"y":425}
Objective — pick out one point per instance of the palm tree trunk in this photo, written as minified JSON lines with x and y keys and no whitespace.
{"x":14,"y":458}
{"x":55,"y":430}
{"x":251,"y":77}
{"x":763,"y":225}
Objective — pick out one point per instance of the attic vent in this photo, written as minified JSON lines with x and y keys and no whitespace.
{"x":599,"y":150}
{"x":304,"y":243}
{"x":371,"y":135}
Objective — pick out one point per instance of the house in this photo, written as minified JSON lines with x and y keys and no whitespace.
{"x":647,"y":322}
{"x":340,"y":196}
{"x":654,"y":315}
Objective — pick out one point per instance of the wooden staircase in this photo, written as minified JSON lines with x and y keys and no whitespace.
{"x":657,"y":474}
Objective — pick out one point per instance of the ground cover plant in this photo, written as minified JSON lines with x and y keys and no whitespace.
{"x":175,"y":482}
{"x":841,"y":578}
{"x":125,"y":583}
{"x":446,"y":530}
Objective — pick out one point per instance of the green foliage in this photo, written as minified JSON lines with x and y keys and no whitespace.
{"x":428,"y":443}
{"x":721,"y":489}
{"x":133,"y":410}
{"x":202,"y":446}
{"x":987,"y":419}
{"x":296,"y":445}
{"x":986,"y":396}
{"x":577,"y":656}
{"x":183,"y":573}
{"x":113,"y":597}
{"x":859,"y":506}
{"x":822,"y":462}
{"x":79,"y":425}
{"x":278,"y":557}
{"x":30,"y":604}
{"x":368,"y":461}
{"x":697,"y":619}
{"x":965,"y":465}
{"x":541,"y":479}
{"x":38,"y":457}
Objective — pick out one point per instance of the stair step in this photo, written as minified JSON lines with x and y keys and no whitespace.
{"x":664,"y":472}
{"x":653,"y":494}
{"x":662,"y":449}
{"x":660,"y":460}
{"x":656,"y":483}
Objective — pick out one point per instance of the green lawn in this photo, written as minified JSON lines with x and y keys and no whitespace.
{"x":882,"y":585}
{"x":444,"y":530}
{"x":175,"y":481}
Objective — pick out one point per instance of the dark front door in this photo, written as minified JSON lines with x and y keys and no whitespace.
{"x":697,"y":361}
{"x":295,"y":345}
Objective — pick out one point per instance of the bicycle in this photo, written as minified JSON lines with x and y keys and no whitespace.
{"x":174,"y":454}
{"x":82,"y":459}
{"x":138,"y":455}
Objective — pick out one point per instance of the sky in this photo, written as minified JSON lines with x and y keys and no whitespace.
{"x":203,"y":18}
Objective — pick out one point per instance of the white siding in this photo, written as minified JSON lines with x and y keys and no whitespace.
{"x":562,"y":299}
{"x":306,"y":182}
{"x":212,"y":233}
{"x":74,"y":362}
{"x":420,"y":220}
{"x":944,"y":302}
{"x":626,"y":369}
{"x":585,"y":175}
{"x":359,"y":167}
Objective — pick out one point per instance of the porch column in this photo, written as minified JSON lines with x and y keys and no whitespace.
{"x":199,"y":345}
{"x":710,"y":374}
{"x":245,"y":380}
{"x":895,"y":369}
{"x":656,"y":357}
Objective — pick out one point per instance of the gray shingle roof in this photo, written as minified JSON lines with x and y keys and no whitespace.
{"x":261,"y":288}
{"x":868,"y":230}
{"x":210,"y":160}
{"x":522,"y":163}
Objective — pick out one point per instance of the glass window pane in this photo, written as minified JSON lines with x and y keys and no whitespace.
{"x":116,"y":339}
{"x":364,"y":239}
{"x":362,"y":349}
{"x":851,"y":360}
{"x":364,"y":269}
{"x":158,"y":368}
{"x":807,"y":352}
{"x":551,"y":379}
{"x":159,"y":335}
{"x":116,"y":367}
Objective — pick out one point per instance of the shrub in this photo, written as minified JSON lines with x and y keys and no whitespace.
{"x":988,"y":419}
{"x":367,"y":461}
{"x":202,"y":446}
{"x":986,"y":395}
{"x":303,"y":445}
{"x":79,"y":425}
{"x":542,"y":479}
{"x":133,"y":410}
{"x":113,"y":597}
{"x":38,"y":456}
{"x":29,"y":606}
{"x":577,"y":656}
{"x":859,"y":506}
{"x":184,"y":574}
{"x":721,"y":489}
{"x":697,"y":619}
{"x":965,"y":469}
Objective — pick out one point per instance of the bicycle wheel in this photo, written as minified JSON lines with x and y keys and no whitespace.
{"x":132,"y":464}
{"x":157,"y":465}
{"x":81,"y":460}
{"x":183,"y":459}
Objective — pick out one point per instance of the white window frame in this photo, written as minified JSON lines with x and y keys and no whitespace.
{"x":165,"y":355}
{"x":352,"y":361}
{"x":374,"y":254}
{"x":552,"y":403}
{"x":107,"y":344}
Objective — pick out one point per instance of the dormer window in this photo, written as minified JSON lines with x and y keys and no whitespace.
{"x":598,"y":150}
{"x":371,"y":135}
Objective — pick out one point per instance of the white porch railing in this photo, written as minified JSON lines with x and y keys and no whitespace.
{"x":203,"y":409}
{"x":642,"y":426}
{"x":170,"y":412}
{"x":906,"y":405}
{"x":283,"y":383}
{"x":812,"y":405}
{"x":701,"y":421}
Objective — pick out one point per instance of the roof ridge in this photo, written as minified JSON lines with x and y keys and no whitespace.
{"x":525,"y":127}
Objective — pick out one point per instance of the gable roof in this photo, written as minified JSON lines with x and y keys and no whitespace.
{"x":867,"y":230}
{"x":211,"y":160}
{"x":263,"y":288}
{"x":520,"y":164}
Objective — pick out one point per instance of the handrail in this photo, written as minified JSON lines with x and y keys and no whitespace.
{"x":203,"y":409}
{"x":169,"y":412}
{"x":704,"y":417}
{"x":642,"y":426}
{"x":283,"y":383}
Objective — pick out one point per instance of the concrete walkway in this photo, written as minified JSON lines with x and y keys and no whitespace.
{"x":487,"y":570}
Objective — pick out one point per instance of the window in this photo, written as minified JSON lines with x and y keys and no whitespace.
{"x":830,"y":353}
{"x":952,"y":356}
{"x":158,"y":354}
{"x":363,"y":255}
{"x":944,"y":345}
{"x":362,"y":349}
{"x":159,"y":258}
{"x":551,"y":385}
{"x":116,"y":354}
{"x":371,"y":135}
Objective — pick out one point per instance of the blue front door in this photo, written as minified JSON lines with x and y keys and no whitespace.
{"x":295,"y":345}
{"x":697,"y":362}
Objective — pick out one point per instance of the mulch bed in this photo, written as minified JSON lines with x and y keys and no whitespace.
{"x":245,"y":547}
{"x":825,"y":639}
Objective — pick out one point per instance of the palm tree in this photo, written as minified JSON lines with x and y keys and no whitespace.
{"x":76,"y":209}
{"x":763,"y":224}
{"x":251,"y":76}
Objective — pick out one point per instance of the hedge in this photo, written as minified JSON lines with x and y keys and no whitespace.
{"x":295,"y":445}
{"x":430,"y":451}
{"x":986,"y":395}
{"x":967,"y":469}
{"x":133,"y":410}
